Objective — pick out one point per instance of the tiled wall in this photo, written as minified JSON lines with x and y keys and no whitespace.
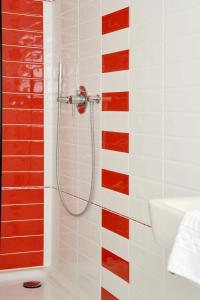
{"x":23,"y":154}
{"x":147,"y":142}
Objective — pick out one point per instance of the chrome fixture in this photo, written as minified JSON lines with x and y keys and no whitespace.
{"x":79,"y":101}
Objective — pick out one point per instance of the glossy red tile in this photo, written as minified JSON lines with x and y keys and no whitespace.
{"x":115,"y":101}
{"x":117,"y":61}
{"x":115,"y":264}
{"x":22,"y":148}
{"x":115,"y":141}
{"x":21,"y":244}
{"x":22,"y":212}
{"x":22,"y":196}
{"x":28,"y":101}
{"x":22,"y":163}
{"x":22,"y":228}
{"x":22,"y":22}
{"x":22,"y":38}
{"x":23,"y":7}
{"x":115,"y":223}
{"x":22,"y":132}
{"x":14,"y":116}
{"x":23,"y":54}
{"x":115,"y":181}
{"x":18,"y":85}
{"x":105,"y":295}
{"x":17,"y":69}
{"x":17,"y":179}
{"x":21,"y":260}
{"x":115,"y":21}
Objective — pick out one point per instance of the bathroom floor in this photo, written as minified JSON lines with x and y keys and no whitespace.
{"x":50,"y":290}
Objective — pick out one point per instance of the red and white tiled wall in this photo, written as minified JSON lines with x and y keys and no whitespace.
{"x":23,"y":146}
{"x":115,"y":150}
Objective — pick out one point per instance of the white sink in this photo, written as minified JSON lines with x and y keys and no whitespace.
{"x":166,"y":215}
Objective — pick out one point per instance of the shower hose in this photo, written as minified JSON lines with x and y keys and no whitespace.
{"x":92,"y":184}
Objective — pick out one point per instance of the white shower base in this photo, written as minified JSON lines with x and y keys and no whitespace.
{"x":52,"y":288}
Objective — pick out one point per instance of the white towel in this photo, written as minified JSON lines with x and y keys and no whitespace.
{"x":185,"y":256}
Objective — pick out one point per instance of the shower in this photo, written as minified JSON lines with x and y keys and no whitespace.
{"x":79,"y":101}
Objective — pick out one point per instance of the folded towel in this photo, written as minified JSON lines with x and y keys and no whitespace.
{"x":185,"y":256}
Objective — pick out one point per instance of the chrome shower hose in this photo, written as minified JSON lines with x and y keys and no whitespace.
{"x":92,"y":184}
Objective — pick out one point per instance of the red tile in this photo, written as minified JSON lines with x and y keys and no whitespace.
{"x":13,"y":53}
{"x":22,"y":38}
{"x":21,"y":244}
{"x":22,"y":148}
{"x":117,"y":61}
{"x":115,"y":21}
{"x":17,"y":69}
{"x":117,"y":182}
{"x":17,"y":179}
{"x":115,"y":141}
{"x":23,"y":7}
{"x":22,"y":132}
{"x":13,"y":116}
{"x":22,"y":228}
{"x":23,"y":101}
{"x":22,"y":212}
{"x":115,"y":223}
{"x":22,"y":22}
{"x":18,"y":85}
{"x":21,"y":260}
{"x":22,"y":196}
{"x":105,"y":295}
{"x":115,"y":101}
{"x":115,"y":264}
{"x":22,"y":163}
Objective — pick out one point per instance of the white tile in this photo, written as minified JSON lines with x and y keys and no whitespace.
{"x":146,"y":123}
{"x":115,"y":285}
{"x":115,"y":243}
{"x":139,"y":210}
{"x":110,"y":42}
{"x":114,"y":201}
{"x":183,"y":175}
{"x":109,"y":6}
{"x":182,"y":125}
{"x":146,"y":167}
{"x":109,"y":159}
{"x":115,"y":121}
{"x":115,"y":81}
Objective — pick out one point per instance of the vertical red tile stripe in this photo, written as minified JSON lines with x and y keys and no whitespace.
{"x":23,"y":134}
{"x":105,"y":295}
{"x":115,"y":101}
{"x":115,"y":264}
{"x":115,"y":141}
{"x":117,"y":61}
{"x":115,"y":181}
{"x":115,"y":223}
{"x":21,"y":260}
{"x":115,"y":21}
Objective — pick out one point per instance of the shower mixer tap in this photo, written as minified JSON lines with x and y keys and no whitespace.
{"x":80,"y":100}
